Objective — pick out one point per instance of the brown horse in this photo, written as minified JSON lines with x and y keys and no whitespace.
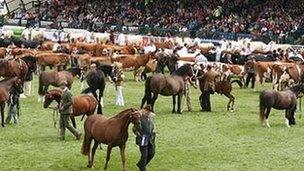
{"x":172,"y":85}
{"x":82,"y":104}
{"x":52,"y":60}
{"x":5,"y":87}
{"x":286,"y":99}
{"x":57,"y":79}
{"x":13,"y":68}
{"x":133,"y":61}
{"x":112,"y":131}
{"x":222,"y":87}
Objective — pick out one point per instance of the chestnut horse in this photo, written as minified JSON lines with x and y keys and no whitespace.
{"x":286,"y":99}
{"x":112,"y":131}
{"x":5,"y":87}
{"x":82,"y":104}
{"x":51,"y":59}
{"x":133,"y":61}
{"x":172,"y":85}
{"x":13,"y":68}
{"x":57,"y":79}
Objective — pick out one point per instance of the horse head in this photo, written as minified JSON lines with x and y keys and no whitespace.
{"x":31,"y":62}
{"x":51,"y":95}
{"x":76,"y":71}
{"x":18,"y":84}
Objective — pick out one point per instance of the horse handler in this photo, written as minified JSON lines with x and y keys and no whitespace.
{"x":146,"y":141}
{"x":209,"y":88}
{"x":65,"y":109}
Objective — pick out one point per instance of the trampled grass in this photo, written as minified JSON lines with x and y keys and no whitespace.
{"x":219,"y":140}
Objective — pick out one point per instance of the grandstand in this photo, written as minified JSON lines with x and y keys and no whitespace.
{"x":216,"y":20}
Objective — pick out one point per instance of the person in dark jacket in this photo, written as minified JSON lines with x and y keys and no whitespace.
{"x":146,"y":141}
{"x":13,"y":104}
{"x":65,"y":109}
{"x":250,"y":75}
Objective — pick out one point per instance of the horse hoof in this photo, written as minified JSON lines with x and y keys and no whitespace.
{"x":90,"y":165}
{"x":173,"y":111}
{"x":2,"y":125}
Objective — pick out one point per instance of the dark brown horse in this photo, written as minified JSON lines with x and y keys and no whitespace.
{"x":13,"y":68}
{"x":82,"y":104}
{"x":112,"y":131}
{"x":56,"y":79}
{"x":5,"y":87}
{"x":96,"y":80}
{"x":222,"y":87}
{"x":286,"y":99}
{"x":172,"y":85}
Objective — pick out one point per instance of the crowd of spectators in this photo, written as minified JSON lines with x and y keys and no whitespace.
{"x":277,"y":18}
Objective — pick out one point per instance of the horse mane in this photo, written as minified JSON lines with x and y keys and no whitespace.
{"x":56,"y":92}
{"x":6,"y":79}
{"x":29,"y":58}
{"x":182,"y":70}
{"x":122,"y":113}
{"x":107,"y":69}
{"x":296,"y":89}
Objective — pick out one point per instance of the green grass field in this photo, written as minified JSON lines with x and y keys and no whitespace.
{"x":193,"y":141}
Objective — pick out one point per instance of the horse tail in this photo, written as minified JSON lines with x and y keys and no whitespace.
{"x":87,"y":139}
{"x":239,"y":82}
{"x":40,"y":89}
{"x":148,"y":93}
{"x":262,"y":109}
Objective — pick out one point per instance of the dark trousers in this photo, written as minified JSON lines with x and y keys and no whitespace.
{"x":205,"y":101}
{"x":147,"y":153}
{"x":250,"y":76}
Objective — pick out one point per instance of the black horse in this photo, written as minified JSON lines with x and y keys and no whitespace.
{"x":96,"y":80}
{"x":286,"y":99}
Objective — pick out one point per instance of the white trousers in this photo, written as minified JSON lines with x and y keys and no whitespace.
{"x":119,"y":96}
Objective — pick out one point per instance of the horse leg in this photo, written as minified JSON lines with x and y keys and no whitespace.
{"x":293,"y":121}
{"x":179,"y":103}
{"x":123,"y":157}
{"x":73,"y":121}
{"x":174,"y":103}
{"x":155,"y":96}
{"x":143,"y":101}
{"x":268,"y":109}
{"x":101,"y":100}
{"x":287,"y":115}
{"x":108,"y":156}
{"x":2,"y":113}
{"x":231,"y":101}
{"x":91,"y":159}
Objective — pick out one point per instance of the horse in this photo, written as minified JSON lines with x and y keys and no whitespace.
{"x":133,"y":61}
{"x":5,"y":87}
{"x":112,"y":131}
{"x":13,"y":68}
{"x":96,"y":81}
{"x":57,"y":79}
{"x":172,"y":85}
{"x":82,"y":104}
{"x":222,"y":87}
{"x":51,"y":59}
{"x":286,"y":99}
